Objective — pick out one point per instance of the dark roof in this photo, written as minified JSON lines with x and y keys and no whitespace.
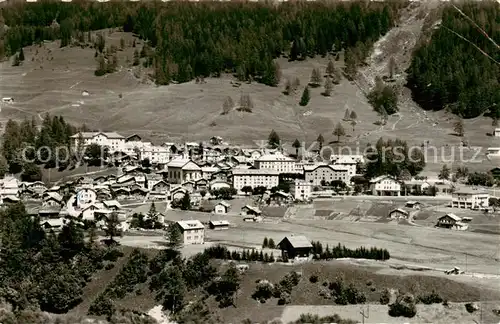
{"x":297,"y":241}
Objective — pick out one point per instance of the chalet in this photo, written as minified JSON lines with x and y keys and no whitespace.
{"x":218,"y":224}
{"x":250,"y":211}
{"x":222,"y":207}
{"x":219,"y":184}
{"x":280,"y":197}
{"x":138,"y":192}
{"x":451,"y":221}
{"x":201,"y":184}
{"x":121,"y":193}
{"x":385,"y":186}
{"x":222,"y":175}
{"x":9,"y":188}
{"x":49,"y":212}
{"x":54,"y":224}
{"x":52,"y":199}
{"x":160,"y":187}
{"x":399,"y":213}
{"x":103,"y":194}
{"x":113,"y":205}
{"x":413,"y":204}
{"x":208,"y":171}
{"x":177,"y":193}
{"x":193,"y":231}
{"x":189,"y":186}
{"x":100,"y":180}
{"x":295,"y":247}
{"x":37,"y":186}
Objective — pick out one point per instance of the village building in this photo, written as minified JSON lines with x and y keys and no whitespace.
{"x":276,"y":162}
{"x":301,"y":190}
{"x":177,"y":193}
{"x":253,"y":178}
{"x":219,"y":184}
{"x":222,"y":207}
{"x":399,"y":213}
{"x":280,"y":198}
{"x":317,"y":174}
{"x":413,"y":204}
{"x":193,"y":231}
{"x":113,"y":141}
{"x":248,"y":210}
{"x":218,"y":225}
{"x":467,"y":198}
{"x":52,"y":199}
{"x":158,"y":155}
{"x":496,"y":132}
{"x":208,"y":171}
{"x":295,"y":247}
{"x":181,"y":170}
{"x":385,"y":186}
{"x":451,"y":221}
{"x":347,"y":161}
{"x":9,"y":188}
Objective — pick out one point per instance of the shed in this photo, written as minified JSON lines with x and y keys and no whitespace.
{"x":398,"y":213}
{"x":295,"y":246}
{"x":222,"y":208}
{"x":218,"y":224}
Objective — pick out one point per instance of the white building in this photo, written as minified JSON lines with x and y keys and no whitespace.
{"x":318,"y":173}
{"x":347,"y":161}
{"x":208,"y":171}
{"x":302,"y":190}
{"x":193,"y":231}
{"x":9,"y":188}
{"x":496,"y":132}
{"x":155,"y":154}
{"x":255,"y":178}
{"x":467,"y":198}
{"x":182,"y":170}
{"x":222,"y":207}
{"x":113,"y":141}
{"x":277,"y":162}
{"x":385,"y":186}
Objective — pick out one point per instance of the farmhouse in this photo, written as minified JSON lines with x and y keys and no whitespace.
{"x":222,"y":207}
{"x":470,"y":199}
{"x":295,"y":247}
{"x":255,"y":178}
{"x":398,"y":213}
{"x":52,"y":199}
{"x":320,"y":173}
{"x":301,"y":190}
{"x":113,"y":141}
{"x":182,"y":170}
{"x":193,"y":231}
{"x":277,"y":162}
{"x":280,"y":197}
{"x":218,"y":225}
{"x":250,"y":211}
{"x":385,"y":186}
{"x":451,"y":221}
{"x":413,"y":204}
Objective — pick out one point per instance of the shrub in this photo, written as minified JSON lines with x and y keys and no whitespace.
{"x":313,"y":278}
{"x":112,"y":255}
{"x":102,"y":306}
{"x":403,"y":306}
{"x":385,"y":297}
{"x":109,"y":266}
{"x":264,"y":290}
{"x":432,"y":298}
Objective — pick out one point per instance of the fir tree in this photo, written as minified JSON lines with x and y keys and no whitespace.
{"x":21,"y":55}
{"x":304,"y":100}
{"x":328,"y":87}
{"x":339,"y":131}
{"x":315,"y":78}
{"x":174,"y":236}
{"x":273,"y":140}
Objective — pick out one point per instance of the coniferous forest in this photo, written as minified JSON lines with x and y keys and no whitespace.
{"x":448,"y":71}
{"x":206,"y":39}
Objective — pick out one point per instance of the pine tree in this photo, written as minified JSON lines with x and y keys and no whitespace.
{"x":320,"y":141}
{"x":444,"y":174}
{"x":246,"y":103}
{"x":273,"y":140}
{"x":330,"y":68}
{"x":186,"y":202}
{"x":265,"y":243}
{"x":458,"y":127}
{"x":296,"y":145}
{"x":112,"y":229}
{"x":347,"y":114}
{"x":315,"y":78}
{"x":21,"y":55}
{"x":339,"y":131}
{"x":271,"y":244}
{"x":353,"y":115}
{"x":227,"y":106}
{"x":328,"y":87}
{"x":174,"y":236}
{"x":304,"y":100}
{"x":392,"y":67}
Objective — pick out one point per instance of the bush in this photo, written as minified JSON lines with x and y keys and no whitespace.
{"x":432,"y":298}
{"x":264,"y":290}
{"x":385,"y":297}
{"x":102,"y":306}
{"x":403,"y":306}
{"x":109,"y":266}
{"x":112,"y":255}
{"x":313,"y":278}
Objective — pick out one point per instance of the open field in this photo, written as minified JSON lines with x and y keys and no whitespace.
{"x":52,"y":80}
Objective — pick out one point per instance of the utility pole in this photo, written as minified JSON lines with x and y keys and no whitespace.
{"x":363,"y":315}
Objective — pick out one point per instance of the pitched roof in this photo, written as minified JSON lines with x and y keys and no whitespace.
{"x":382,"y":177}
{"x":223,"y":203}
{"x":274,"y":158}
{"x":254,"y":209}
{"x":401,"y":210}
{"x":93,"y":134}
{"x":470,"y":191}
{"x":452,"y":216}
{"x":298,"y":241}
{"x":190,"y":224}
{"x":219,"y":222}
{"x":241,"y":171}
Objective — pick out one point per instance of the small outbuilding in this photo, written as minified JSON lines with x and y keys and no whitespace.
{"x":295,"y":247}
{"x":222,"y":208}
{"x":218,"y":224}
{"x":399,"y":213}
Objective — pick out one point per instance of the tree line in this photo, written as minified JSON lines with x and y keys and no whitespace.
{"x":207,"y":39}
{"x":450,"y":72}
